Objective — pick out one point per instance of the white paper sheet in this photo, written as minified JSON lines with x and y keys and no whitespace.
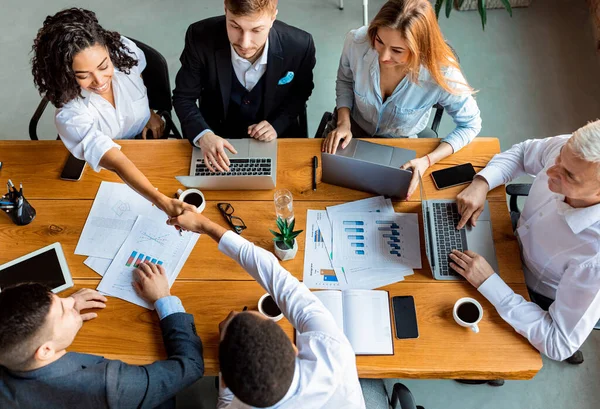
{"x":370,"y":204}
{"x":318,"y":272}
{"x":378,"y":240}
{"x":149,"y":240}
{"x":99,"y":265}
{"x":111,"y":218}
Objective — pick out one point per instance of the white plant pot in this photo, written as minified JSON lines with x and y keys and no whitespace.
{"x":286,"y":254}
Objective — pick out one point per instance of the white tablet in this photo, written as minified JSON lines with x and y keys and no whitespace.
{"x":46,"y":266}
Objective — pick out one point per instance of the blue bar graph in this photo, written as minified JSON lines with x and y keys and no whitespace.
{"x":357,"y":244}
{"x":384,"y":222}
{"x":354,"y":230}
{"x":359,"y":252}
{"x":354,"y":237}
{"x":330,"y":278}
{"x":353,"y":223}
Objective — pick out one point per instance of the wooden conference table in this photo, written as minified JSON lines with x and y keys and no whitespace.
{"x":210,"y":285}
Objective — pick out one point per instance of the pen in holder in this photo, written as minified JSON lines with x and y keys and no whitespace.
{"x":16,"y":206}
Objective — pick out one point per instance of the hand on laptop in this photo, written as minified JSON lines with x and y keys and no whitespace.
{"x":418,"y":166}
{"x":213,"y":148}
{"x":151,"y":282}
{"x":471,"y":266}
{"x":470,"y":202}
{"x":86,"y":299}
{"x":262,"y":131}
{"x":342,"y":132}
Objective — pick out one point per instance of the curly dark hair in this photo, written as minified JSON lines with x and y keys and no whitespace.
{"x":23,"y":311}
{"x":62,"y":36}
{"x":257,"y":360}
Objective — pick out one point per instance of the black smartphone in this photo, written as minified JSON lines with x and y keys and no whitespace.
{"x":73,"y":168}
{"x":456,"y":175}
{"x":405,"y":317}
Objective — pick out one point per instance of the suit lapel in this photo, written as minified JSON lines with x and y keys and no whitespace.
{"x":223,"y":57}
{"x":274,"y":67}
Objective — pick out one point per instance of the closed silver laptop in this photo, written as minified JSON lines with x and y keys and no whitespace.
{"x":254,"y":167}
{"x":369,"y":167}
{"x":440,"y":218}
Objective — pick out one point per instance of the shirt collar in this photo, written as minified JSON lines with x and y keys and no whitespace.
{"x":262,"y":60}
{"x":578,"y":219}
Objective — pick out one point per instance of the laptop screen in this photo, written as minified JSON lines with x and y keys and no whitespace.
{"x":426,"y":230}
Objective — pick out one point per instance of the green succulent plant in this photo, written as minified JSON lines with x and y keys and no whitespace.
{"x":480,"y":7}
{"x":286,"y":234}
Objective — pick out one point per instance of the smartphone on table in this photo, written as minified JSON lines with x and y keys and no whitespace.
{"x":405,"y":317}
{"x":454,"y":176}
{"x":73,"y":168}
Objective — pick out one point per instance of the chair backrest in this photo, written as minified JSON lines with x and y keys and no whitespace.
{"x":33,"y":122}
{"x":156,"y":78}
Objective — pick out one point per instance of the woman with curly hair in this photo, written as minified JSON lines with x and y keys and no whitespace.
{"x":93,"y":77}
{"x":390,"y":75}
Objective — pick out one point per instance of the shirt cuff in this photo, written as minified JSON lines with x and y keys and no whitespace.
{"x":230,"y":244}
{"x":493,"y":177}
{"x":200,"y":135}
{"x":495,"y":290}
{"x":168,"y":305}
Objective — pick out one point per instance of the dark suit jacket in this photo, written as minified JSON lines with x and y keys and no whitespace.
{"x":90,"y":381}
{"x":206,"y":74}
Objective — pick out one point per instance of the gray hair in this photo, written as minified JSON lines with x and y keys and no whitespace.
{"x":586,"y":142}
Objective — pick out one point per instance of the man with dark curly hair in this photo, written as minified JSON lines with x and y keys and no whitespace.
{"x":243,"y":74}
{"x":93,"y":77}
{"x":260,"y":367}
{"x":36,"y":371}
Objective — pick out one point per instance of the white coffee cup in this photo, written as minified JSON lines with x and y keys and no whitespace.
{"x":260,"y":309}
{"x":460,"y":321}
{"x":181,"y":194}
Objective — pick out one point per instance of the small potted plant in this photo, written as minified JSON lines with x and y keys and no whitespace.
{"x":285,"y":243}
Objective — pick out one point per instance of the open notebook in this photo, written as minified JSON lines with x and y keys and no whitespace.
{"x":364,"y":316}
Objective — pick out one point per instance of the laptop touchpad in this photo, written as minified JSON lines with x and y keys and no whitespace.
{"x":374,"y":153}
{"x":242,"y":146}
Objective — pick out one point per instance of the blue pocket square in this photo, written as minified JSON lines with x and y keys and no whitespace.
{"x":287,"y":79}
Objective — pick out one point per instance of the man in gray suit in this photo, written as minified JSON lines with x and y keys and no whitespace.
{"x":36,"y":371}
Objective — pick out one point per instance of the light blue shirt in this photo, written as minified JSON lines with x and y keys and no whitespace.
{"x":406,"y":112}
{"x":168,"y":305}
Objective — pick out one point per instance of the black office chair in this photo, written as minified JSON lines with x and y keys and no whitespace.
{"x":376,"y":396}
{"x":156,"y":80}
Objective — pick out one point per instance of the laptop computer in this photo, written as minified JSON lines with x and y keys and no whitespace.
{"x":369,"y":167}
{"x":254,"y":167}
{"x":440,"y":218}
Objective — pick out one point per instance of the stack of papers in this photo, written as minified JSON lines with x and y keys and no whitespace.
{"x":360,"y":245}
{"x":124,"y":229}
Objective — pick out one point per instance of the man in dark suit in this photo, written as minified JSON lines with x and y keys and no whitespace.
{"x":242,"y":74}
{"x":36,"y":371}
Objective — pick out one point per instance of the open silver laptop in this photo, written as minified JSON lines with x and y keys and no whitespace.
{"x":440,"y":218}
{"x":369,"y":167}
{"x":254,"y":167}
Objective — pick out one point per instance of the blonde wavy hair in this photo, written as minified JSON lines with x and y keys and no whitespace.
{"x":416,"y":22}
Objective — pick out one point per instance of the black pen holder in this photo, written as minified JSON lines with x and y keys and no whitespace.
{"x":22,"y":216}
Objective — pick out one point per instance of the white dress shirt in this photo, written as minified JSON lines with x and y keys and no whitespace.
{"x":325,"y":375}
{"x":560,"y":250}
{"x":88,"y":125}
{"x":247,"y":73}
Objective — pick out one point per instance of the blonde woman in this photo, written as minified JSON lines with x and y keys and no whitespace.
{"x":390,"y":75}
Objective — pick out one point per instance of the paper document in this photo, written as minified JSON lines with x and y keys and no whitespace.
{"x":99,"y":265}
{"x":369,"y":239}
{"x":149,"y":240}
{"x":115,"y":210}
{"x":371,"y":204}
{"x":318,"y":272}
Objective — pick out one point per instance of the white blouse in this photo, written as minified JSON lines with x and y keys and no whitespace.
{"x":88,"y":125}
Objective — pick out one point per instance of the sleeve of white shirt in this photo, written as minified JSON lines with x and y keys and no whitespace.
{"x":136,"y":53}
{"x":529,"y":157}
{"x":344,"y":84}
{"x":464,"y":111}
{"x":304,"y":311}
{"x":81,"y":136}
{"x":200,"y":135}
{"x":559,"y":332}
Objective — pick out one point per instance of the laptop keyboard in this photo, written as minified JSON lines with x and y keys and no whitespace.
{"x":448,"y":238}
{"x":238,"y":167}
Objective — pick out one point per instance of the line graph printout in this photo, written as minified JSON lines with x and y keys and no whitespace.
{"x":370,"y":239}
{"x":112,"y":216}
{"x":149,"y":240}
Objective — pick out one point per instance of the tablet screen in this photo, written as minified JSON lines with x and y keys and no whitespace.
{"x":43,"y":268}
